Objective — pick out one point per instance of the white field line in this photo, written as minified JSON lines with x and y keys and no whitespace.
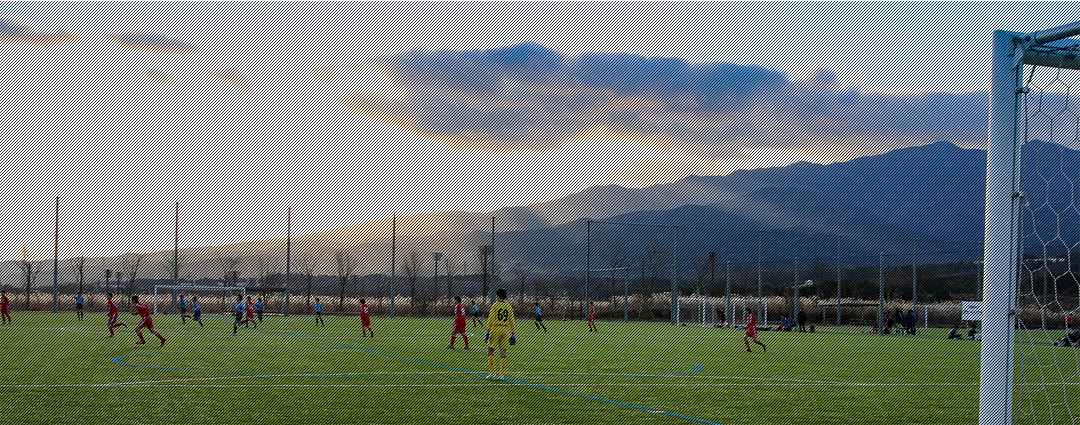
{"x":482,"y":384}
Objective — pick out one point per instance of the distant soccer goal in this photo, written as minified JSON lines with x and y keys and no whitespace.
{"x":1032,"y":230}
{"x":217,"y":299}
{"x":709,"y":312}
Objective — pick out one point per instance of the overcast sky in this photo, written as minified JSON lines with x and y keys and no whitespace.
{"x":351,"y":111}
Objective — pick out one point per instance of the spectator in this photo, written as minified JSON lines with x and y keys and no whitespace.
{"x":955,"y":332}
{"x":1069,"y":322}
{"x":801,"y":320}
{"x":1072,"y":337}
{"x":972,"y":332}
{"x":785,"y":324}
{"x":910,"y":322}
{"x":889,"y":323}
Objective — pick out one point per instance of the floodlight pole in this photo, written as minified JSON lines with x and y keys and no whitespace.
{"x":760,"y":283}
{"x":838,"y":303}
{"x":288,"y":259}
{"x":56,"y":262}
{"x":728,"y":314}
{"x":674,"y":280}
{"x":881,"y":295}
{"x":393,"y":263}
{"x":798,"y":283}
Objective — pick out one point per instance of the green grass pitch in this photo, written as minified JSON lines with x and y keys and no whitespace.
{"x":56,"y":370}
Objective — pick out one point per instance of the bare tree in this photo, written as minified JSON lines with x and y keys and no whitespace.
{"x":79,"y":264}
{"x":410,"y":267}
{"x":656,"y":257}
{"x":307,"y":263}
{"x":31,"y":265}
{"x":228,"y":265}
{"x":543,"y":286}
{"x":450,"y":264}
{"x":129,"y":265}
{"x":170,"y":264}
{"x":345,"y":267}
{"x":521,"y":272}
{"x":620,"y":256}
{"x":702,"y":266}
{"x":268,"y":270}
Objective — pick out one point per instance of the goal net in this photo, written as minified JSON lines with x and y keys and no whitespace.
{"x":212,"y":299}
{"x":709,"y":312}
{"x":1032,"y":231}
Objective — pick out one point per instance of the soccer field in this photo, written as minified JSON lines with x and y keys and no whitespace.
{"x":57,"y":370}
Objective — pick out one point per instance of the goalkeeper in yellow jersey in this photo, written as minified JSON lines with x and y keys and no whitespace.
{"x":500,"y":333}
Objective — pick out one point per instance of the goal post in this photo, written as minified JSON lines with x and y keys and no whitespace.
{"x":706,"y":311}
{"x":1004,"y":194}
{"x":194,"y":289}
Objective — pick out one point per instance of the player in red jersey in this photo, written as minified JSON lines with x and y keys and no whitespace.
{"x":146,"y":322}
{"x":592,"y":317}
{"x":365,"y":318}
{"x":459,"y":325}
{"x":114,"y":315}
{"x":751,"y":330}
{"x":5,"y":308}
{"x":249,"y":313}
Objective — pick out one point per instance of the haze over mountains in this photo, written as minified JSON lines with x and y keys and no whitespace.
{"x":926,"y":199}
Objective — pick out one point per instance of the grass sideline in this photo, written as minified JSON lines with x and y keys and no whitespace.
{"x":55,"y":370}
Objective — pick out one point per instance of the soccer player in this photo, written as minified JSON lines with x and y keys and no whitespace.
{"x":196,"y":311}
{"x":476,"y":315}
{"x":592,"y":317}
{"x":5,"y":308}
{"x":238,"y":312}
{"x":751,"y":330}
{"x":500,"y":333}
{"x":182,"y":306}
{"x":459,"y":325}
{"x":259,"y":308}
{"x":365,"y":318}
{"x":539,"y":318}
{"x":79,"y":302}
{"x":249,"y":312}
{"x":114,"y":315}
{"x":146,"y":322}
{"x":318,"y":313}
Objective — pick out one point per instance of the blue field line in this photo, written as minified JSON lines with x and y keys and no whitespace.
{"x":675,"y":415}
{"x":644,"y":409}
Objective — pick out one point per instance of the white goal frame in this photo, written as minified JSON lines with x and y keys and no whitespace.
{"x":242,"y":289}
{"x":1011,"y":51}
{"x":703,"y":304}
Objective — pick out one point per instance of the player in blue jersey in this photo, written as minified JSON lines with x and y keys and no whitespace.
{"x":181,"y":305}
{"x":539,"y":317}
{"x":318,"y":313}
{"x":476,"y":315}
{"x":196,"y":311}
{"x":259,"y":307}
{"x":238,"y":309}
{"x":79,"y":303}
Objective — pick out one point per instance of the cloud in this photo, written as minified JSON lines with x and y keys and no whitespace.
{"x":11,"y":32}
{"x":527,"y":97}
{"x":153,"y":43}
{"x":325,"y":74}
{"x":233,"y":76}
{"x":160,"y":76}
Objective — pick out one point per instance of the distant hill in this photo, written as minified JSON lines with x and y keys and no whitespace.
{"x":926,"y":199}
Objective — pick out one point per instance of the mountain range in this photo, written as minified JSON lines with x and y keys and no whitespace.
{"x":924,"y":200}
